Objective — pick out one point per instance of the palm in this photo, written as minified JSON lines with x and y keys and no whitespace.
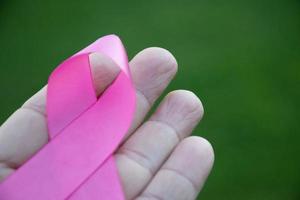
{"x":157,"y":159}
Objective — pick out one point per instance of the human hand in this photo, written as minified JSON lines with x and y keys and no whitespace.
{"x":157,"y":159}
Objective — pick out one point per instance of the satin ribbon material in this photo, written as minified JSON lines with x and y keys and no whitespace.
{"x":78,"y":161}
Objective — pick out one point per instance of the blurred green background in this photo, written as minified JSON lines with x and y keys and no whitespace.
{"x":241,"y":57}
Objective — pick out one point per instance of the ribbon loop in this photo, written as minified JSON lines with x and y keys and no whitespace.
{"x":78,"y":161}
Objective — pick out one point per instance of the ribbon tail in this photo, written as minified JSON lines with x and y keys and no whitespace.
{"x":96,"y":186}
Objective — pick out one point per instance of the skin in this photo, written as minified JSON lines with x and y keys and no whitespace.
{"x":158,"y":158}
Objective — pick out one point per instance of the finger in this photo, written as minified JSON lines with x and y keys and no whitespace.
{"x":25,"y":131}
{"x":152,"y":70}
{"x":143,"y":153}
{"x":184,"y":173}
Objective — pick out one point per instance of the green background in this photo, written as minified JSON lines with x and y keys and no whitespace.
{"x":241,"y":58}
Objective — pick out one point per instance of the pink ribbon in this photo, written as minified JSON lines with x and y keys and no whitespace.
{"x":78,"y":161}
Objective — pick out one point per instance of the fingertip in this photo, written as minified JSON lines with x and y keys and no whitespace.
{"x":203,"y":150}
{"x":159,"y":57}
{"x":182,"y":110}
{"x":188,"y":101}
{"x":195,"y":154}
{"x":104,"y":71}
{"x":164,"y":56}
{"x":152,"y":69}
